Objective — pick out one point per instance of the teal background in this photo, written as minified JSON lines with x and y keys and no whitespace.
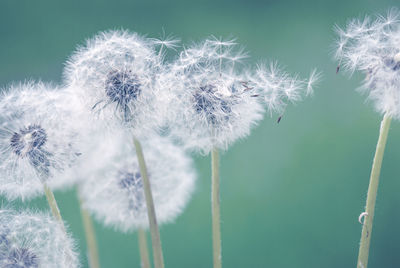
{"x":291,"y":192}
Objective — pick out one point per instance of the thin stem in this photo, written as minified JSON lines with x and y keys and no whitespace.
{"x":372,"y":191}
{"x":151,"y":213}
{"x":215,"y":208}
{"x":53,"y":205}
{"x":93,"y":254}
{"x":144,"y":252}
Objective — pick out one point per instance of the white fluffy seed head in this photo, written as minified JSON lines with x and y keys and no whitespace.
{"x":113,"y":187}
{"x":372,"y":47}
{"x":33,"y":240}
{"x":211,"y":103}
{"x":114,"y":75}
{"x":40,"y":139}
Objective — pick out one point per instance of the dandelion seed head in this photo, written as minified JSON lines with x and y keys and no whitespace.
{"x":113,"y":186}
{"x":114,"y":76}
{"x":371,"y":46}
{"x":32,"y":240}
{"x":212,"y":104}
{"x":40,"y":139}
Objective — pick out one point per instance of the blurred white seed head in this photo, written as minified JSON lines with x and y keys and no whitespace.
{"x":211,"y":102}
{"x":33,"y":240}
{"x":113,"y":188}
{"x":372,"y":46}
{"x":114,"y":75}
{"x":40,"y":139}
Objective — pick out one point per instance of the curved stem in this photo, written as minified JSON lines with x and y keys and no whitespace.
{"x":144,"y":252}
{"x":90,"y":234}
{"x":151,"y":213}
{"x":53,"y":205}
{"x":372,"y":191}
{"x":215,"y":208}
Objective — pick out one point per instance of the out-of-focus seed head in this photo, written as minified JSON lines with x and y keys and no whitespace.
{"x":113,"y":186}
{"x":33,"y":240}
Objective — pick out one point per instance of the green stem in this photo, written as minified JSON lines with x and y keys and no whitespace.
{"x":53,"y":205}
{"x":372,"y":191}
{"x":93,"y":254}
{"x":151,"y":213}
{"x":215,"y":208}
{"x":144,"y":252}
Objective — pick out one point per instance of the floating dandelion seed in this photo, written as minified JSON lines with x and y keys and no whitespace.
{"x":114,"y":75}
{"x":113,"y":187}
{"x":277,"y":88}
{"x":372,"y":47}
{"x":33,"y":240}
{"x":39,"y":139}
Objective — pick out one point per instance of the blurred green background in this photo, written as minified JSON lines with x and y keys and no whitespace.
{"x":291,"y":192}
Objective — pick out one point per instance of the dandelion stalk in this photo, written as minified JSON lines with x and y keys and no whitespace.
{"x":154,"y":231}
{"x":372,"y":191}
{"x":53,"y":205}
{"x":93,"y":254}
{"x":144,"y":252}
{"x":215,"y":208}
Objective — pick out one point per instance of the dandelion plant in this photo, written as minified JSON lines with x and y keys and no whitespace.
{"x":113,"y":188}
{"x":372,"y":48}
{"x":39,"y":140}
{"x":217,"y":100}
{"x":114,"y":74}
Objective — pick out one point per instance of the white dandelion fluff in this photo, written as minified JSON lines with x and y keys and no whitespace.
{"x":114,"y":76}
{"x":33,"y":240}
{"x":211,"y":103}
{"x":113,"y":188}
{"x":372,"y":47}
{"x":277,"y":88}
{"x":39,"y":139}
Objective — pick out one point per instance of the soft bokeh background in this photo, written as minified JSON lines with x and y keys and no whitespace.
{"x":292,"y":192}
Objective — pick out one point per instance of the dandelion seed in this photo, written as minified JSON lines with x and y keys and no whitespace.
{"x":32,"y":240}
{"x":277,"y":88}
{"x":113,"y":187}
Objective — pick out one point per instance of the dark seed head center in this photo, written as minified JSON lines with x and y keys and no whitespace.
{"x":207,"y":102}
{"x":122,"y":87}
{"x":28,"y":140}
